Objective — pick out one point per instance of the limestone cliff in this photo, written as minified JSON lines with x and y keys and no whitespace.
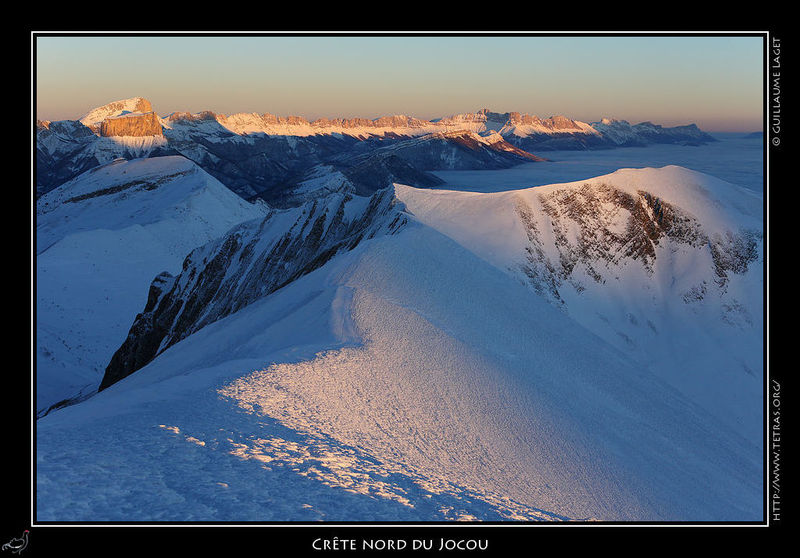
{"x":132,"y":124}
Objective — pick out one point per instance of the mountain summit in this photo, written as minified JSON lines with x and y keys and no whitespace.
{"x":136,"y":105}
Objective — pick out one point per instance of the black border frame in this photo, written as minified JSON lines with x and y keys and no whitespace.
{"x":181,"y":536}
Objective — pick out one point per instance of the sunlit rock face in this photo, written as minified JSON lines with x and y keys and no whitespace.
{"x":131,"y":125}
{"x":136,"y":105}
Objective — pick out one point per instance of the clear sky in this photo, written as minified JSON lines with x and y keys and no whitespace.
{"x":714,"y":81}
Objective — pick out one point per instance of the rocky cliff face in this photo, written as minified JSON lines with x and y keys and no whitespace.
{"x":250,"y":262}
{"x":205,"y":115}
{"x":133,"y":105}
{"x":553,"y":123}
{"x":599,"y":229}
{"x":131,"y":125}
{"x":666,"y":265}
{"x":267,"y":120}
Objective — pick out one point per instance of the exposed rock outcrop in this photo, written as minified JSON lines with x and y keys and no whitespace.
{"x":132,"y":125}
{"x":250,"y":262}
{"x":136,"y":105}
{"x":598,"y":227}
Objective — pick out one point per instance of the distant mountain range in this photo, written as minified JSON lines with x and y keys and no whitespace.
{"x":270,"y":157}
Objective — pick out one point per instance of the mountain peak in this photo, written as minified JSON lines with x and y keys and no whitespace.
{"x":117,"y":108}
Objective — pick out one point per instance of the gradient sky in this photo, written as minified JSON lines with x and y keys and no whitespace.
{"x":714,"y":81}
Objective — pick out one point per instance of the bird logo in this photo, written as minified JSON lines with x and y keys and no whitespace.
{"x":16,"y":546}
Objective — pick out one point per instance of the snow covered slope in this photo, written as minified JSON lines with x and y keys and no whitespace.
{"x":250,"y":262}
{"x":100,"y":240}
{"x":66,"y":149}
{"x":664,"y":264}
{"x":402,"y":378}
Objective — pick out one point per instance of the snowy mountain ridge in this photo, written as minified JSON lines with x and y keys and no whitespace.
{"x":640,"y":257}
{"x":399,"y":369}
{"x":250,"y":262}
{"x":133,"y":105}
{"x":621,"y":254}
{"x":100,"y":240}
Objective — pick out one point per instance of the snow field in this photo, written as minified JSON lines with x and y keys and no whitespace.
{"x":465,"y":397}
{"x":97,"y":255}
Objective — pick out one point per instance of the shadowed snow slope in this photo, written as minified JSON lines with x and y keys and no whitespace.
{"x":100,"y":240}
{"x":406,"y":379}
